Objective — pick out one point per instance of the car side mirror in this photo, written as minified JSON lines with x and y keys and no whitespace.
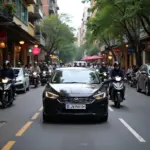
{"x":26,"y":75}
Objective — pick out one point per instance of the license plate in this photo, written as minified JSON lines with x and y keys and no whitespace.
{"x":75,"y":106}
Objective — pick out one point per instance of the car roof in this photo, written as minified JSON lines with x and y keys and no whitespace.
{"x":76,"y":68}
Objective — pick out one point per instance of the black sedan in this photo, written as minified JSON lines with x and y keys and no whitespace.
{"x":75,"y":91}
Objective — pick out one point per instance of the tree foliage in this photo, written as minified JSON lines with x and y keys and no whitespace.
{"x":68,"y":53}
{"x":58,"y":32}
{"x":120,"y":19}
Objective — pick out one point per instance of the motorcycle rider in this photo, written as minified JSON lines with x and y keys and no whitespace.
{"x":36,"y":68}
{"x":75,"y":64}
{"x":7,"y":72}
{"x":117,"y":71}
{"x":103,"y":68}
{"x":44,"y":67}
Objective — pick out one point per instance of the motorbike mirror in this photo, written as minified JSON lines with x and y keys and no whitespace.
{"x":143,"y":72}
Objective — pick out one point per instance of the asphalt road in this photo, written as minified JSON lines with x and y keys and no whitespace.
{"x":127,"y":128}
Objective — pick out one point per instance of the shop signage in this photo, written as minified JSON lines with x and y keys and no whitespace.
{"x":36,"y":51}
{"x":130,"y":51}
{"x":3,"y":36}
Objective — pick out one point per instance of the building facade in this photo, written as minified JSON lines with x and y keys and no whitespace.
{"x":17,"y":30}
{"x":50,"y":7}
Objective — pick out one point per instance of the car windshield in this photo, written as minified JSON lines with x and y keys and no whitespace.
{"x":17,"y":72}
{"x":75,"y":76}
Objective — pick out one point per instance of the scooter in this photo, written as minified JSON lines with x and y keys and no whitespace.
{"x":34,"y":79}
{"x":44,"y":78}
{"x":6,"y":93}
{"x":117,"y":91}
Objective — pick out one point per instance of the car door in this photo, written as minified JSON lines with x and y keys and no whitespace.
{"x":26,"y":76}
{"x":140,"y":76}
{"x":145,"y":76}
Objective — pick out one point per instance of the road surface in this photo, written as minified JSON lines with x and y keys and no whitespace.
{"x":21,"y":127}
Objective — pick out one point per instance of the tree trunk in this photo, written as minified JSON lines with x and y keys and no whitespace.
{"x":114,"y":56}
{"x":138,"y":56}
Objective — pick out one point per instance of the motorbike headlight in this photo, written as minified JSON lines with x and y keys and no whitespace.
{"x":4,"y":81}
{"x":34,"y":73}
{"x":105,"y":74}
{"x":51,"y":95}
{"x":44,"y":72}
{"x":100,"y":95}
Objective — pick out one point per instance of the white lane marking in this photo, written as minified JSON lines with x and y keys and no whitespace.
{"x":41,"y":108}
{"x":110,"y":109}
{"x":132,"y":130}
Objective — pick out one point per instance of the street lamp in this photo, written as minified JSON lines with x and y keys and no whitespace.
{"x":21,"y":42}
{"x":36,"y":45}
{"x":127,"y":45}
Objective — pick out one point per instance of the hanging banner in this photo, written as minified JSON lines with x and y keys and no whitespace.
{"x":36,"y":51}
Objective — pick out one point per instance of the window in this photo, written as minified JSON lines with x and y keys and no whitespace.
{"x":75,"y":76}
{"x":21,"y":11}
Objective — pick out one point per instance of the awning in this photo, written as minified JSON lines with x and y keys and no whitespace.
{"x":15,"y":33}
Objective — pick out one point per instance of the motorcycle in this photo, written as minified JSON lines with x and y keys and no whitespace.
{"x":44,"y":77}
{"x":117,"y":91}
{"x":6,"y":93}
{"x":103,"y":76}
{"x":34,"y":79}
{"x":133,"y":80}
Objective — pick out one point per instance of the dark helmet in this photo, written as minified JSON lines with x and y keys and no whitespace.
{"x":116,"y":64}
{"x":6,"y":63}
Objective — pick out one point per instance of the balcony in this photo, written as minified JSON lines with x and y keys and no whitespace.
{"x":40,"y":38}
{"x":5,"y":16}
{"x":31,"y":29}
{"x":30,"y":1}
{"x":38,"y":11}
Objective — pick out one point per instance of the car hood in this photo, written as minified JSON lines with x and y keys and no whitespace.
{"x":19,"y":78}
{"x":71,"y":90}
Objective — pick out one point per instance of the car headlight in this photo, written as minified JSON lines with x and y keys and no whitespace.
{"x":51,"y":95}
{"x":4,"y":81}
{"x":100,"y":95}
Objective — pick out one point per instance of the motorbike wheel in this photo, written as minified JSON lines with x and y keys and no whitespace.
{"x":4,"y":101}
{"x":118,"y":100}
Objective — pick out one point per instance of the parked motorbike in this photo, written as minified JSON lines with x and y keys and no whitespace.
{"x":133,"y":80}
{"x":44,"y":77}
{"x":117,"y":91}
{"x":35,"y":79}
{"x":6,"y":93}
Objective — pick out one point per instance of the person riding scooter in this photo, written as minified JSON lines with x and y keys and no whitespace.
{"x":117,"y":71}
{"x":7,"y":72}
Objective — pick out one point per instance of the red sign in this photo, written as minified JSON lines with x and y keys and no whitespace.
{"x":3,"y":36}
{"x":36,"y":51}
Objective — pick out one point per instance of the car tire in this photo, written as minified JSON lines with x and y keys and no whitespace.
{"x":147,"y":90}
{"x":28,"y":89}
{"x":105,"y":118}
{"x":45,"y":118}
{"x":137,"y":87}
{"x":25,"y":89}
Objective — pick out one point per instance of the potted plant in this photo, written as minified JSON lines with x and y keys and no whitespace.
{"x":9,"y":8}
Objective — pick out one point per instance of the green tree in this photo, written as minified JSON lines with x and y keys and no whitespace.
{"x":122,"y":17}
{"x":57,"y":31}
{"x":68,"y":53}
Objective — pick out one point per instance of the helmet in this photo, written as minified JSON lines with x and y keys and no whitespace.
{"x":6,"y":63}
{"x":116,"y":64}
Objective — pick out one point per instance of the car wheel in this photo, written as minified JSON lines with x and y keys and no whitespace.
{"x":147,"y":90}
{"x":28,"y":89}
{"x":25,"y":89}
{"x":137,"y":87}
{"x":105,"y":118}
{"x":45,"y":118}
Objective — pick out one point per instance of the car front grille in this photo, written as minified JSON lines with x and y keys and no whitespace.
{"x":76,"y":100}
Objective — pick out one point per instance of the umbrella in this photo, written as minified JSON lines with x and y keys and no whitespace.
{"x":86,"y":58}
{"x":95,"y":58}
